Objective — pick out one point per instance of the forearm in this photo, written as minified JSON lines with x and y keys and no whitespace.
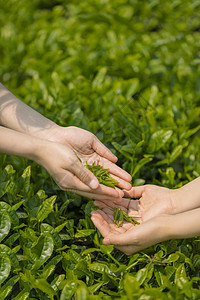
{"x":19,"y":144}
{"x":184,"y":225}
{"x":186,"y":197}
{"x":16,"y":115}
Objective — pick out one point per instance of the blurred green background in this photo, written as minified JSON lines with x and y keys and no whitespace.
{"x":129,"y":71}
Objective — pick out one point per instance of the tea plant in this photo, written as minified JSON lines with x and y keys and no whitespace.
{"x":129,"y":72}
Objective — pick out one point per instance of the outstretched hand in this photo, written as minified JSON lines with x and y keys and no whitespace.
{"x":78,"y":142}
{"x":127,"y":237}
{"x":150,"y":201}
{"x":152,"y":204}
{"x":89,"y":149}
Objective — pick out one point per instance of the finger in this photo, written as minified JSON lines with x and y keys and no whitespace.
{"x":134,"y":205}
{"x":135,"y":192}
{"x":101,"y":224}
{"x":105,"y":216}
{"x":113,"y":226}
{"x":124,"y":204}
{"x":104,"y":203}
{"x":122,"y":183}
{"x":70,"y":182}
{"x":115,"y":170}
{"x":95,"y":195}
{"x":108,"y":212}
{"x":102,"y":191}
{"x":83,"y":173}
{"x":103,"y":151}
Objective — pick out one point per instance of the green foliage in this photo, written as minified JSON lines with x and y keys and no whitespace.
{"x":102,"y":175}
{"x":129,"y":72}
{"x":119,"y":216}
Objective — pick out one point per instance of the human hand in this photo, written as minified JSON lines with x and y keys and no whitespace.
{"x":90,"y":149}
{"x":155,"y":200}
{"x":18,"y":116}
{"x":70,"y":174}
{"x":130,"y":238}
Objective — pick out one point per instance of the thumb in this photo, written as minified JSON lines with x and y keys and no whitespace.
{"x":85,"y":175}
{"x":102,"y":150}
{"x":135,"y":192}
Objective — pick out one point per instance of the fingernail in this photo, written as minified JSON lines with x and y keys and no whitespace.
{"x":106,"y":241}
{"x":121,"y":193}
{"x":93,"y":212}
{"x":93,"y":184}
{"x":118,"y":200}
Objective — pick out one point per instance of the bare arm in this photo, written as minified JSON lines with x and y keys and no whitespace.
{"x":155,"y":200}
{"x":187,"y":197}
{"x":130,"y":239}
{"x":19,"y":144}
{"x":16,"y":115}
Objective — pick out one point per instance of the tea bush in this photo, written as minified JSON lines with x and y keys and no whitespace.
{"x":128,"y":71}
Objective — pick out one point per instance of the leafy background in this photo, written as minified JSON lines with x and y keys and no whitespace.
{"x":128,"y":71}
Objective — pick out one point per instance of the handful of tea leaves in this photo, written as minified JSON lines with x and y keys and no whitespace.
{"x":102,"y":175}
{"x":119,"y":215}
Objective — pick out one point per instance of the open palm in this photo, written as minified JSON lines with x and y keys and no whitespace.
{"x":127,"y":237}
{"x":150,"y":201}
{"x":152,"y":204}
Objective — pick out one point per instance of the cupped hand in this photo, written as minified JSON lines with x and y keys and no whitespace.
{"x":150,"y":201}
{"x":70,"y":174}
{"x":89,"y":149}
{"x":129,"y":238}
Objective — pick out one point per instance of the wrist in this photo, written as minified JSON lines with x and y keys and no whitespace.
{"x":176,"y":205}
{"x":39,"y":151}
{"x":185,"y":224}
{"x":153,"y":231}
{"x":18,"y":144}
{"x":165,"y":228}
{"x":187,"y":197}
{"x":35,"y":148}
{"x":53,"y":134}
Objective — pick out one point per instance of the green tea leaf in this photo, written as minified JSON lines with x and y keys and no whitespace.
{"x":99,"y":78}
{"x":5,"y":224}
{"x":44,"y":286}
{"x":68,"y":290}
{"x":5,"y":267}
{"x":42,"y":250}
{"x":102,"y":175}
{"x":82,"y":292}
{"x":45,"y":208}
{"x":23,"y":295}
{"x":84,"y":232}
{"x":8,"y":286}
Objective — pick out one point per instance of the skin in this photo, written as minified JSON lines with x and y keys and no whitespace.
{"x":25,"y":132}
{"x":163,"y":214}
